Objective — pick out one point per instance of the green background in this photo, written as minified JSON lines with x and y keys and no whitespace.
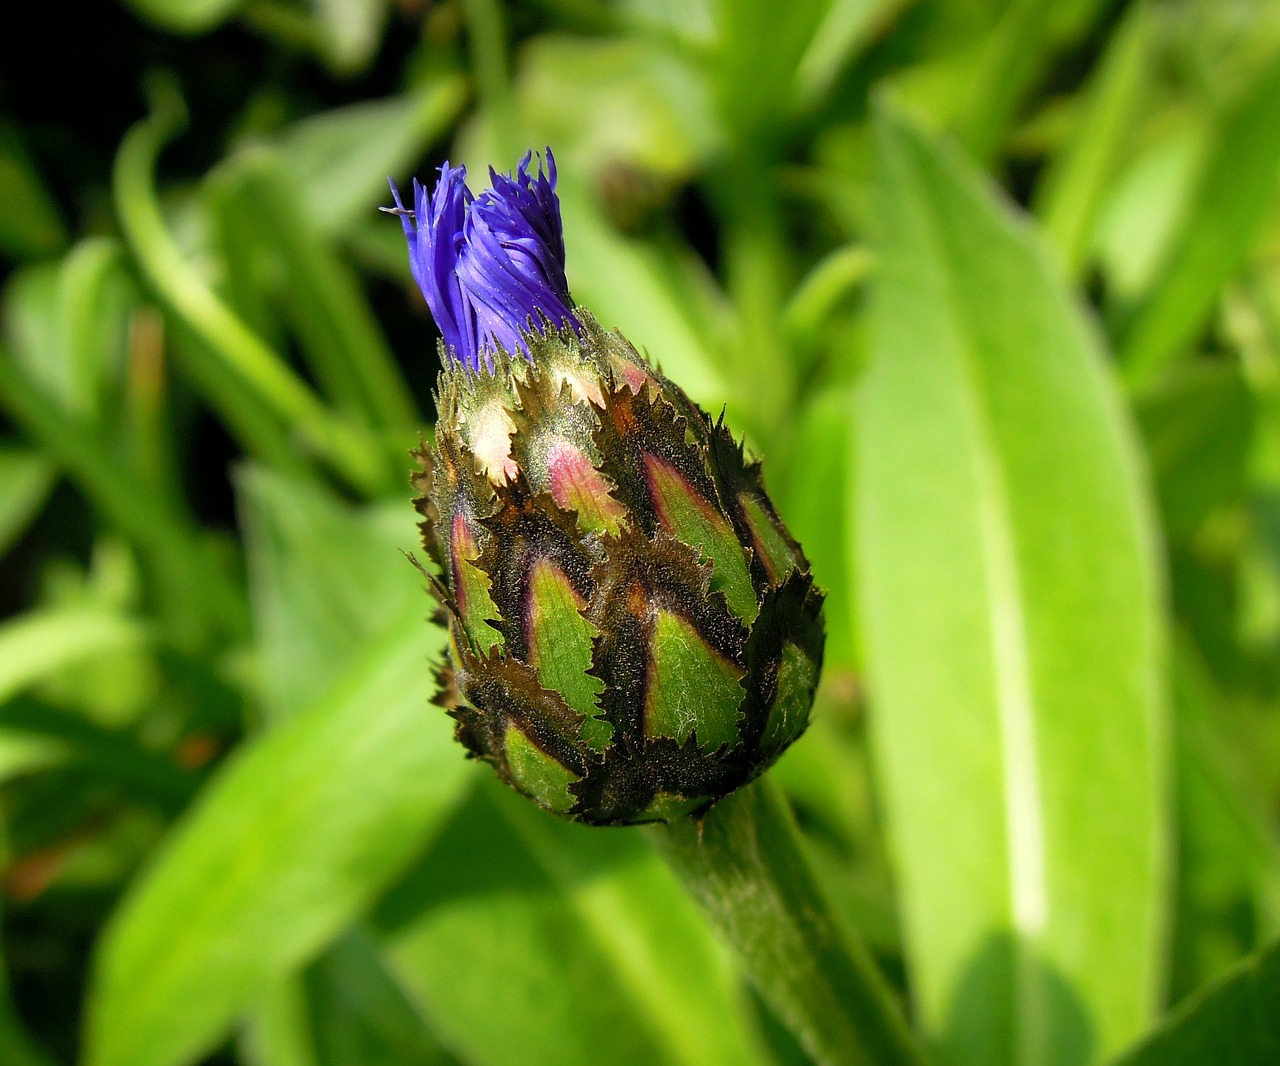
{"x":993,"y":286}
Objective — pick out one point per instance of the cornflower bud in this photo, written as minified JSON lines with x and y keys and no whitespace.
{"x":633,"y":634}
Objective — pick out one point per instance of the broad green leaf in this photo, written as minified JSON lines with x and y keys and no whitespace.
{"x":582,"y":936}
{"x":292,"y":839}
{"x":26,"y":478}
{"x":1236,"y":1022}
{"x":1010,"y":608}
{"x":1238,"y":184}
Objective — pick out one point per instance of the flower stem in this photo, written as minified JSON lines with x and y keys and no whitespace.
{"x":745,"y":868}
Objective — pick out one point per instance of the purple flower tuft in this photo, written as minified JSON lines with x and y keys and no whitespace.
{"x":491,"y":265}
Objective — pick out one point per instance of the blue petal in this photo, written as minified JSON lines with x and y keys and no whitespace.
{"x":491,"y":266}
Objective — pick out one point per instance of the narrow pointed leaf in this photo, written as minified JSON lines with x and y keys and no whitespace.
{"x":1236,"y":189}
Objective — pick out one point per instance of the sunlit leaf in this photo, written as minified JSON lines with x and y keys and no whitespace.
{"x":1010,"y":610}
{"x":1236,"y":187}
{"x":582,"y":935}
{"x":26,"y":476}
{"x":38,"y":644}
{"x":293,"y":839}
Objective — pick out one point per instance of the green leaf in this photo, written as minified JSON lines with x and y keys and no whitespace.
{"x":360,"y":1015}
{"x":580,"y":935}
{"x":29,"y":223}
{"x":340,"y":159}
{"x":1236,"y":189}
{"x":1069,"y":196}
{"x":617,"y":108}
{"x":292,"y":839}
{"x":186,"y":16}
{"x":35,"y":735}
{"x":69,"y":323}
{"x":35,"y":645}
{"x":812,"y":493}
{"x":325,"y":305}
{"x":1236,"y":1022}
{"x":846,"y":28}
{"x":629,"y":286}
{"x":26,"y":478}
{"x":278,"y":1031}
{"x":236,"y":353}
{"x":756,"y":58}
{"x":1010,"y":605}
{"x":1198,"y":424}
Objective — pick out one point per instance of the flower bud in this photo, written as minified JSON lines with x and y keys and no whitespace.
{"x":633,"y":633}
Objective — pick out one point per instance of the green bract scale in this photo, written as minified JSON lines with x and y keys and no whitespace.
{"x":633,"y":634}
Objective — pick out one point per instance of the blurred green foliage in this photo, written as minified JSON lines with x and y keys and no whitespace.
{"x":994,"y":286}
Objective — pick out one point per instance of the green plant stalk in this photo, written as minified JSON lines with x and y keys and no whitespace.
{"x":354,"y":456}
{"x":744,"y":866}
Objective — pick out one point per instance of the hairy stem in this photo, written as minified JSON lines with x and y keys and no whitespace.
{"x":745,"y":868}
